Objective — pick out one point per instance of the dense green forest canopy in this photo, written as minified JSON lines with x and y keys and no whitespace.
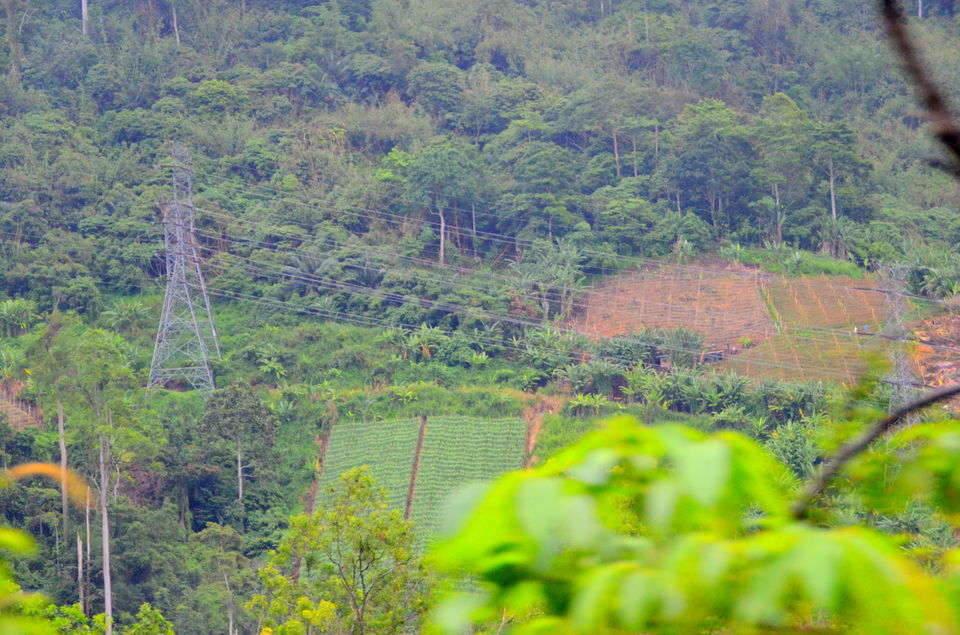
{"x":398,"y":205}
{"x":632,"y":128}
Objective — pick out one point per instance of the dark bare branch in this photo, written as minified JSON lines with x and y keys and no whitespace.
{"x":842,"y":456}
{"x":945,"y":128}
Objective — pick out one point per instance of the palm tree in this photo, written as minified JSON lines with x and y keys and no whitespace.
{"x":127,"y":317}
{"x":306,"y":271}
{"x":17,"y":316}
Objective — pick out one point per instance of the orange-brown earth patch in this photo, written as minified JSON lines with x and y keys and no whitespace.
{"x":765,"y":326}
{"x":937,"y":352}
{"x":722,"y":302}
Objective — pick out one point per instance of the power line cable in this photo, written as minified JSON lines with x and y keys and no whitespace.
{"x":705,"y":312}
{"x":370,"y":322}
{"x":372,"y":214}
{"x":493,"y":316}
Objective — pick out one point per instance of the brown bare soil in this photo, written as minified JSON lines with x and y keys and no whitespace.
{"x":827,"y":357}
{"x":411,"y":491}
{"x":310,"y":496}
{"x":533,"y":416}
{"x":836,"y":301}
{"x":765,"y":326}
{"x":722,"y":303}
{"x":937,"y":353}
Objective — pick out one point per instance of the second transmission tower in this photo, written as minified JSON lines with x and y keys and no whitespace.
{"x":187,"y":337}
{"x":902,"y":379}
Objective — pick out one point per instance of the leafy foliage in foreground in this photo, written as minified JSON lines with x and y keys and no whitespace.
{"x":348,"y":568}
{"x":456,"y":451}
{"x":669,"y":530}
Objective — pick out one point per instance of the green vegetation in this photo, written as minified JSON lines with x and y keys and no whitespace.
{"x":458,"y":451}
{"x":387,"y":447}
{"x":408,"y":207}
{"x":663,"y":529}
{"x":354,"y":563}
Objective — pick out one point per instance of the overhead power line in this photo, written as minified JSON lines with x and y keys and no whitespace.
{"x":504,"y":239}
{"x":493,"y":317}
{"x":696,"y":316}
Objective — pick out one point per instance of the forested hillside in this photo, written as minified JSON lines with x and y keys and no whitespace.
{"x":638,"y":128}
{"x":422,"y":208}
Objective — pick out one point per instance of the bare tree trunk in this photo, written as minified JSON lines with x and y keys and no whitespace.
{"x":777,"y":216}
{"x":176,"y":28}
{"x":86,"y":573}
{"x":411,"y":489}
{"x":16,"y":53}
{"x":226,"y":582}
{"x":105,"y":529}
{"x":80,"y":585}
{"x":63,"y":470}
{"x":85,"y":17}
{"x":646,"y":23}
{"x":239,"y":472}
{"x":616,"y":153}
{"x":920,"y":9}
{"x":473,"y":213}
{"x":656,"y":145}
{"x":833,"y":195}
{"x":443,"y":236}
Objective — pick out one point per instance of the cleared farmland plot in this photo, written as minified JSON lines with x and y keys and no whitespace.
{"x":459,"y":450}
{"x":835,"y":301}
{"x":456,"y":451}
{"x":386,"y":446}
{"x":809,"y":328}
{"x":724,"y":305}
{"x":820,"y":357}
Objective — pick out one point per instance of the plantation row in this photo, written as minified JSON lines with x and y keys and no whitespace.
{"x":456,"y":451}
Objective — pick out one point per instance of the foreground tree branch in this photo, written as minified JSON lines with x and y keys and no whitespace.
{"x":945,"y":128}
{"x":947,"y":132}
{"x":835,"y":463}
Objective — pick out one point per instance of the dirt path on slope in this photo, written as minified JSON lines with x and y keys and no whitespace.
{"x":411,"y":491}
{"x":310,"y":496}
{"x":533,"y":416}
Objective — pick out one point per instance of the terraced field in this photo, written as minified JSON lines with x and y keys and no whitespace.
{"x":456,"y":451}
{"x":816,"y":357}
{"x":724,"y":304}
{"x":835,"y":301}
{"x":386,"y":446}
{"x":765,"y":326}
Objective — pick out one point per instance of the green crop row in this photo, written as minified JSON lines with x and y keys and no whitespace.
{"x":386,"y":446}
{"x":456,"y":451}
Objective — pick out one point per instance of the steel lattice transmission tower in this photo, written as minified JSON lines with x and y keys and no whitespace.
{"x":902,"y":379}
{"x":187,"y":337}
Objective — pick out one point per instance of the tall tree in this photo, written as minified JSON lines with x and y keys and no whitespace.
{"x":780,"y":135}
{"x":49,"y":356}
{"x":13,"y":41}
{"x":236,"y":416}
{"x":711,"y":162}
{"x":444,"y":178}
{"x":360,"y":571}
{"x":97,"y":384}
{"x":833,"y":149}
